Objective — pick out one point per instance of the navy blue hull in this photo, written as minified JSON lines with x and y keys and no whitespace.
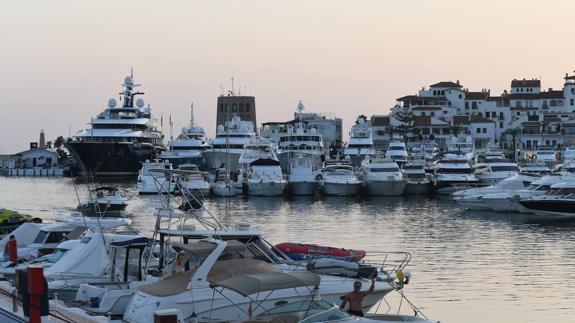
{"x":111,"y":159}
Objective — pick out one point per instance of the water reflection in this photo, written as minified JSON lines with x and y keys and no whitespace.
{"x":470,"y":266}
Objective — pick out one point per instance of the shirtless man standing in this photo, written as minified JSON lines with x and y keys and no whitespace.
{"x":356,"y":297}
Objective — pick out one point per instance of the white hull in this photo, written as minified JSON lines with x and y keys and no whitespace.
{"x":216,"y":158}
{"x":340,"y":189}
{"x":285,"y":157}
{"x":266,"y":188}
{"x":149,"y":185}
{"x":302,"y":188}
{"x":210,"y":306}
{"x":448,"y":187}
{"x":385,"y":188}
{"x":223,"y":190}
{"x":473,"y":203}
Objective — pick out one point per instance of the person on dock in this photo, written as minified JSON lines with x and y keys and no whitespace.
{"x":11,"y":250}
{"x":356,"y":297}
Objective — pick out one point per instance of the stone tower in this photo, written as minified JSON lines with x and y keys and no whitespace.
{"x":242,"y":106}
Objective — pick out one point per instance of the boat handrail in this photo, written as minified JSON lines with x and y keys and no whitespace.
{"x":387,"y":261}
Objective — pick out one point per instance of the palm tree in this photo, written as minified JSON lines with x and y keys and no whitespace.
{"x":455,"y":129}
{"x":513,"y":132}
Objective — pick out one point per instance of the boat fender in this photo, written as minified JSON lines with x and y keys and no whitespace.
{"x":400,"y":277}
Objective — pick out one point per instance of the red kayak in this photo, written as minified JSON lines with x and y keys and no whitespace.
{"x":300,"y":251}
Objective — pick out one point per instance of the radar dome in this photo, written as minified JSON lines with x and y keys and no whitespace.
{"x":112,"y":103}
{"x":128,"y":81}
{"x":300,"y":105}
{"x":140,"y":103}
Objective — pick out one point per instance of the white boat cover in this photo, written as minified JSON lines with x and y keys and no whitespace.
{"x":251,"y":284}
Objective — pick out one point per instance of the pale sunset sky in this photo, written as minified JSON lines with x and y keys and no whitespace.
{"x":60,"y":61}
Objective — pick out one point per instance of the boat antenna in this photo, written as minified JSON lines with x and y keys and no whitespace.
{"x":192,"y":115}
{"x":233,"y":86}
{"x":131,"y":72}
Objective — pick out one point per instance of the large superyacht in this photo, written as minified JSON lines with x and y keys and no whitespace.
{"x":229,"y":143}
{"x":120,"y":138}
{"x":300,"y":140}
{"x":360,"y":144}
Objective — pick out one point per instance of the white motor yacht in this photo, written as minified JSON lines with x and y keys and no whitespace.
{"x":535,"y":168}
{"x":382,"y":177}
{"x":451,"y":175}
{"x":567,"y":166}
{"x":568,"y":153}
{"x":360,"y":143}
{"x":473,"y":198}
{"x":229,"y":144}
{"x":102,"y":200}
{"x":302,"y":178}
{"x":546,"y":156}
{"x":95,"y":257}
{"x":339,"y":179}
{"x":463,"y":147}
{"x":194,"y":181}
{"x":188,"y":147}
{"x":397,"y":150}
{"x":151,"y":182}
{"x":491,"y":171}
{"x":265,"y":178}
{"x":418,"y":181}
{"x":300,"y":139}
{"x":40,"y":239}
{"x":259,"y":169}
{"x":509,"y":201}
{"x":558,"y":202}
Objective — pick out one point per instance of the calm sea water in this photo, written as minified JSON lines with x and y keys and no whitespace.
{"x":466,"y":267}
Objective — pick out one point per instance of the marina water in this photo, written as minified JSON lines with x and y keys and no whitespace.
{"x":467,"y":266}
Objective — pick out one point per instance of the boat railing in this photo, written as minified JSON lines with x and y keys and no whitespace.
{"x":387,"y":262}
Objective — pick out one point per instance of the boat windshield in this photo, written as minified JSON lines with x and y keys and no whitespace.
{"x":335,"y":314}
{"x":384,"y":170}
{"x":396,"y":148}
{"x":298,"y":307}
{"x":49,"y":237}
{"x":453,"y":171}
{"x":565,"y":191}
{"x":56,"y":255}
{"x":504,"y":168}
{"x":415,"y":175}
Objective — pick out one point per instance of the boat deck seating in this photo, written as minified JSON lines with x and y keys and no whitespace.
{"x":172,"y":285}
{"x":222,"y":270}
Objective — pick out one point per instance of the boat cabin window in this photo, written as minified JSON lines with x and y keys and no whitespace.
{"x":543,"y":188}
{"x":453,"y":171}
{"x":383,"y":169}
{"x":565,"y":191}
{"x":395,"y":148}
{"x":50,"y":237}
{"x":504,"y":168}
{"x":415,"y":175}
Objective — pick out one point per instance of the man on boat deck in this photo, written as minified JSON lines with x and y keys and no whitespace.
{"x":356,"y":297}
